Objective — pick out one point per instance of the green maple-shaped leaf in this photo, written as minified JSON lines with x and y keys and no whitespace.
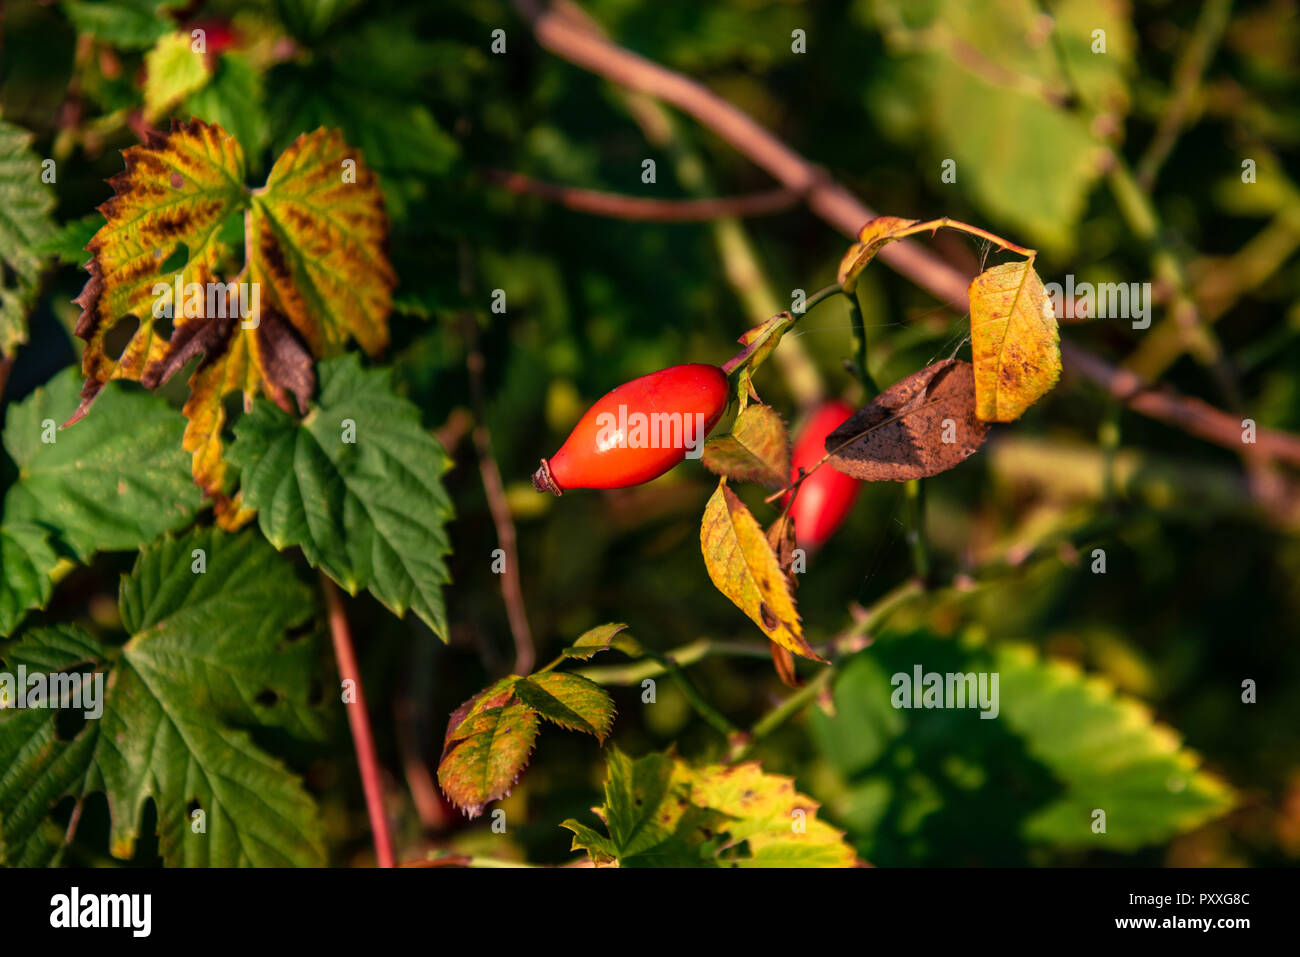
{"x":1058,"y":746}
{"x":662,"y":812}
{"x":357,"y":484}
{"x":212,"y":620}
{"x":116,"y":486}
{"x":25,"y":205}
{"x":81,"y":491}
{"x":26,"y":560}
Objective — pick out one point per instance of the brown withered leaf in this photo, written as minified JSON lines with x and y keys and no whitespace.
{"x":922,"y":425}
{"x":756,"y":450}
{"x":315,"y":273}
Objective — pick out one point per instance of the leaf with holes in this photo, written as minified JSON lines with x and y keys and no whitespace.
{"x":358,"y":485}
{"x":25,"y":205}
{"x":921,"y":426}
{"x":209,"y":653}
{"x":1014,"y":341}
{"x":314,"y":274}
{"x":756,"y":450}
{"x":743,"y":567}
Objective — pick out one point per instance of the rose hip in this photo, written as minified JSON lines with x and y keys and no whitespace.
{"x":638,"y":431}
{"x":825,"y":498}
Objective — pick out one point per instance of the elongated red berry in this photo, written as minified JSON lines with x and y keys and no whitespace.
{"x":825,"y":498}
{"x":638,"y":431}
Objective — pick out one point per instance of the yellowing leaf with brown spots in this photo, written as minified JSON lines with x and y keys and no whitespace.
{"x":312,"y":275}
{"x":1015,"y":343}
{"x":744,"y":568}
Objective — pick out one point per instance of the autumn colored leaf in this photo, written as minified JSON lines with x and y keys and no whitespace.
{"x":491,"y":736}
{"x":756,"y":450}
{"x":486,"y":751}
{"x":1014,"y":341}
{"x":871,"y":238}
{"x":743,"y":567}
{"x":571,"y":701}
{"x":660,"y":811}
{"x":174,"y":70}
{"x":922,"y":425}
{"x":759,"y":342}
{"x":314,"y":274}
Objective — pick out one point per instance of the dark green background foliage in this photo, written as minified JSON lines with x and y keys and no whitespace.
{"x":1201,"y":585}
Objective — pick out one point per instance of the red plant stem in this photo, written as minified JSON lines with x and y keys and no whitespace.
{"x":359,"y":723}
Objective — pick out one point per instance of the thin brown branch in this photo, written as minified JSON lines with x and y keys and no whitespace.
{"x":841,"y":209}
{"x":359,"y":723}
{"x":618,"y":206}
{"x":512,"y":591}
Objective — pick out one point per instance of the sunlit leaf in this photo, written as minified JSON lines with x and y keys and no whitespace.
{"x":920,"y":426}
{"x":660,"y":811}
{"x":756,"y":450}
{"x":874,"y":235}
{"x":743,"y":567}
{"x":357,"y":485}
{"x":1015,"y":343}
{"x":570,"y":701}
{"x":174,"y":70}
{"x":489,"y":741}
{"x":208,"y":654}
{"x":314,"y":274}
{"x":595,"y":640}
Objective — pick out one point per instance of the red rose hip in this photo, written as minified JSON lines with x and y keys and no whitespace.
{"x":638,"y":431}
{"x":825,"y":498}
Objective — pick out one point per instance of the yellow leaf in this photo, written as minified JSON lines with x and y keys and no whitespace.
{"x":315,"y":274}
{"x":743,"y":567}
{"x":1014,"y":341}
{"x":874,"y":235}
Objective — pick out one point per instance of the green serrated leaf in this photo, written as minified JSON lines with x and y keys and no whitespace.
{"x":211,"y":618}
{"x":357,"y":485}
{"x":571,"y":701}
{"x":126,"y":24}
{"x":115,"y":483}
{"x":601,"y":638}
{"x":25,"y":205}
{"x":26,"y":560}
{"x":234,"y":99}
{"x":68,"y":243}
{"x":174,"y":70}
{"x":1061,"y":746}
{"x":661,"y":812}
{"x":486,"y":752}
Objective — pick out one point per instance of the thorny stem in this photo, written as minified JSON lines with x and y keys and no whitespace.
{"x":359,"y":723}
